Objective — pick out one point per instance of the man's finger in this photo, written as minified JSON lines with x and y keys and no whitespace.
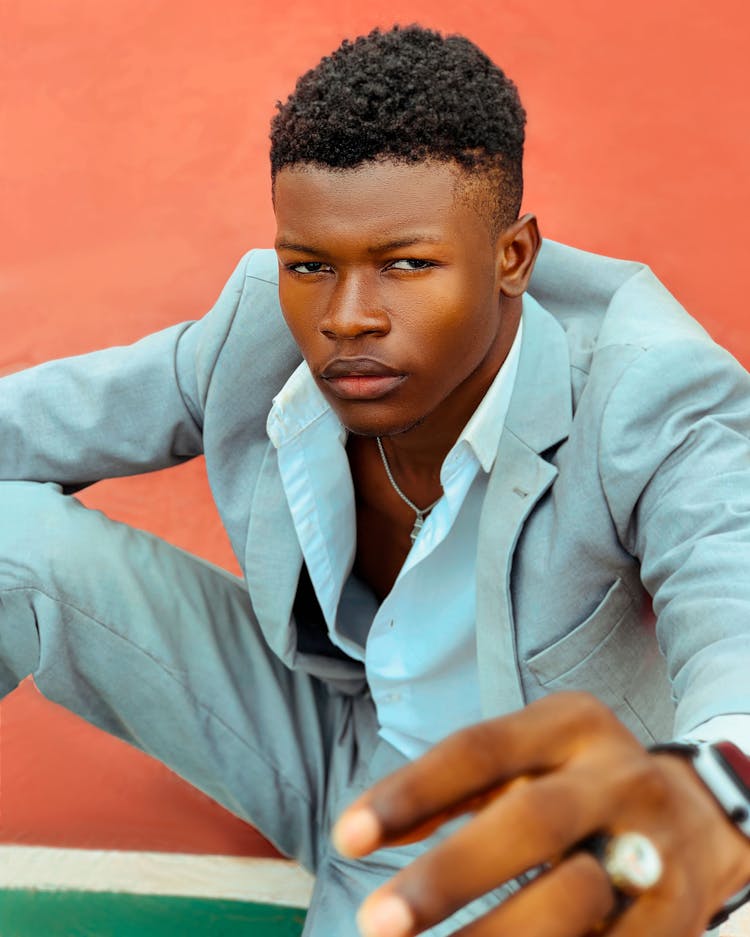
{"x":568,"y":901}
{"x":469,"y":767}
{"x":530,"y":825}
{"x":658,"y":916}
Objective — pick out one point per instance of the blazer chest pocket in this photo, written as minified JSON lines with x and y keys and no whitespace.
{"x":614,"y":655}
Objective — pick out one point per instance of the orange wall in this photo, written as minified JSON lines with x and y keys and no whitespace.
{"x":134,"y":175}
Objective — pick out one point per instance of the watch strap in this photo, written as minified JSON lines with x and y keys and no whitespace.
{"x":736,"y":761}
{"x":725,"y":771}
{"x":722,"y":767}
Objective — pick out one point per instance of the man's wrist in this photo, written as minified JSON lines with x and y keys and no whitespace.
{"x":724,"y":770}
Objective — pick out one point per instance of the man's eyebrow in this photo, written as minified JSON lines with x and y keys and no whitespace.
{"x":404,"y":242}
{"x":382,"y":247}
{"x":299,"y":248}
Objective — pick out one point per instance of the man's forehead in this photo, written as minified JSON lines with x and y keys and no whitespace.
{"x":397,"y":199}
{"x":442,"y":175}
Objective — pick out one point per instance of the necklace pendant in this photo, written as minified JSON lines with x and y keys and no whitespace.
{"x":418,"y":524}
{"x":419,"y":520}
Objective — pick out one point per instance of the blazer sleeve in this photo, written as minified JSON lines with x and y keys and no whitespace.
{"x":120,"y":411}
{"x":675,"y":464}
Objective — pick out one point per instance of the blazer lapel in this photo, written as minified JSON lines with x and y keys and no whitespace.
{"x":538,"y":418}
{"x":273,"y":558}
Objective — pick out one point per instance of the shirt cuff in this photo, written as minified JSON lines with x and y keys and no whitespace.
{"x":734,"y":728}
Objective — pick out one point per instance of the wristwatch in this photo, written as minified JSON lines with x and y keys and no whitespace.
{"x":725,"y":770}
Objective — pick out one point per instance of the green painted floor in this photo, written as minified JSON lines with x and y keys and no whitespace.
{"x":86,"y":914}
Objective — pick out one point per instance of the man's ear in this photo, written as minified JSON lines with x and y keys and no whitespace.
{"x":517,"y":248}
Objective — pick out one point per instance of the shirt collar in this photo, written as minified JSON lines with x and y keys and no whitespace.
{"x":296,"y":407}
{"x":482,"y":432}
{"x":300,"y":403}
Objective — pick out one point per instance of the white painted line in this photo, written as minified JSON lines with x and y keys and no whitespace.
{"x":267,"y":881}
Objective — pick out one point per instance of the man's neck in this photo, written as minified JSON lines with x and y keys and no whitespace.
{"x":417,"y":454}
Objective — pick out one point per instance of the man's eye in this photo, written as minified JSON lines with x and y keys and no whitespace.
{"x":411,"y":263}
{"x":309,"y":266}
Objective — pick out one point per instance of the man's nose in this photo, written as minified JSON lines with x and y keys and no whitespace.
{"x":354,"y":308}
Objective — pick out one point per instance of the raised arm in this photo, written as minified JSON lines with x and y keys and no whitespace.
{"x":120,"y":411}
{"x":677,"y":474}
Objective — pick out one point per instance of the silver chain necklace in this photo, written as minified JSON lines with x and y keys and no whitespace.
{"x":421,"y":513}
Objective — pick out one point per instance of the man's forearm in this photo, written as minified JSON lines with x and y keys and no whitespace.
{"x":109,"y":413}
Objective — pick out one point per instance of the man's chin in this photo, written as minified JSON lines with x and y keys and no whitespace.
{"x":376,"y":417}
{"x":383,"y":428}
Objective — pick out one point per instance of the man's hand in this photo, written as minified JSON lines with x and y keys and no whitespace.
{"x":538,"y":782}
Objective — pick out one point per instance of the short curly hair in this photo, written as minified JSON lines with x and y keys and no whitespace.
{"x":407,"y":94}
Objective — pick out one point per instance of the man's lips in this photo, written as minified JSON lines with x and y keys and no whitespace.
{"x":360,"y":378}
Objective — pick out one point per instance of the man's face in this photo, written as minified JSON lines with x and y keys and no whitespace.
{"x":388,"y":283}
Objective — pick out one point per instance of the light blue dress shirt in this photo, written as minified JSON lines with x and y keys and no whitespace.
{"x":419,"y":645}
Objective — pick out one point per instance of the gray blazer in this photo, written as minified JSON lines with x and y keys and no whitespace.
{"x":623,"y":472}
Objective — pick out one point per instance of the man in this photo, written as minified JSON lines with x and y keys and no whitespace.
{"x":451,"y":478}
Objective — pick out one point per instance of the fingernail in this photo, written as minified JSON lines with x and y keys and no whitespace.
{"x":385,"y":917}
{"x":356,"y":832}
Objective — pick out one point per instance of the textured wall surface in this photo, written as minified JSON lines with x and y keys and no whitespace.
{"x":134,"y":173}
